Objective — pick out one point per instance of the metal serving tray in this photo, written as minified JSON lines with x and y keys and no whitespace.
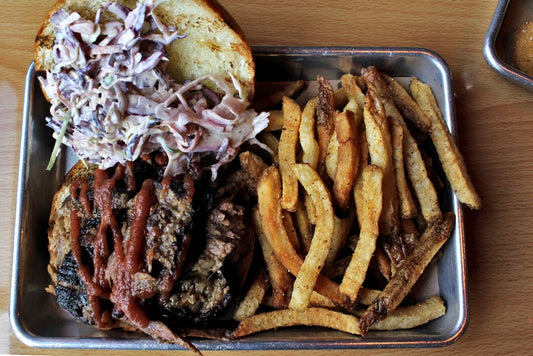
{"x":509,"y":15}
{"x":39,"y":322}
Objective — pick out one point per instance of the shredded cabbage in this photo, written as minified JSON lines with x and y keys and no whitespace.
{"x":108,"y":83}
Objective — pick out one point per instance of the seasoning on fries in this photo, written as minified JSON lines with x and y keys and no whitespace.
{"x":368,"y":198}
{"x":348,"y":217}
{"x":451,"y":159}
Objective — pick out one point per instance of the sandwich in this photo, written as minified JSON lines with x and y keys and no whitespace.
{"x":148,"y":230}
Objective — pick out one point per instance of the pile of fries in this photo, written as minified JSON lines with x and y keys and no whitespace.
{"x":347,"y":213}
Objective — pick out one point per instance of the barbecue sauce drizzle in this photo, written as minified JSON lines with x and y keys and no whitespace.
{"x":128,"y":261}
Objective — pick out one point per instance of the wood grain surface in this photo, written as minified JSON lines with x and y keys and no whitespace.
{"x":495,"y":125}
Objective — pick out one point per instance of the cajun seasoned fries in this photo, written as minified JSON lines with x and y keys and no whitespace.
{"x":348,"y":215}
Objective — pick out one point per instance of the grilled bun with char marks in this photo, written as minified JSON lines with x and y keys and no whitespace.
{"x":214,"y":43}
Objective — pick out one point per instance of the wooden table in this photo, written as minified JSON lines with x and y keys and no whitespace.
{"x":494,"y":122}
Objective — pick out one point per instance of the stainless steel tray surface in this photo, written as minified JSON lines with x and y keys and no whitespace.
{"x":508,"y":16}
{"x":37,"y":320}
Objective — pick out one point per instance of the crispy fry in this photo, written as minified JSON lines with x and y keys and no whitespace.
{"x":310,"y":208}
{"x":280,"y":279}
{"x":253,"y":166}
{"x":310,"y":316}
{"x":347,"y":161}
{"x":410,"y":233}
{"x":407,"y":205}
{"x":353,"y":90}
{"x":420,"y":181}
{"x":287,"y":153}
{"x":380,"y":149}
{"x":273,"y":143}
{"x":450,"y":157}
{"x":364,"y":157}
{"x":341,"y":232}
{"x":253,"y":298}
{"x":318,"y":300}
{"x":406,"y":105}
{"x":269,"y":198}
{"x":368,"y":200}
{"x":320,"y":244}
{"x":332,"y":156}
{"x":325,"y":126}
{"x":310,"y":148}
{"x":367,"y":296}
{"x":275,"y":120}
{"x":357,"y":112}
{"x":406,"y":276}
{"x":383,"y":262}
{"x":291,"y":231}
{"x":340,"y":97}
{"x":304,"y":227}
{"x":411,"y":316}
{"x":416,"y":169}
{"x":308,"y":142}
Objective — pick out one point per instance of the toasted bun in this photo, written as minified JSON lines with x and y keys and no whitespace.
{"x":214,"y":45}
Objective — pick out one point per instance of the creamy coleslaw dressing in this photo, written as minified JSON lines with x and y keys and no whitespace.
{"x":112,"y":102}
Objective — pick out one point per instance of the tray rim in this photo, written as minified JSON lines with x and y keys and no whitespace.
{"x":242,"y":344}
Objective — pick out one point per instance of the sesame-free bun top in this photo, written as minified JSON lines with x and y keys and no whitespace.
{"x":214,"y":44}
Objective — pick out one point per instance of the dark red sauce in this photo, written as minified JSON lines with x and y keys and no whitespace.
{"x":129,"y":260}
{"x":145,"y":200}
{"x":78,"y":190}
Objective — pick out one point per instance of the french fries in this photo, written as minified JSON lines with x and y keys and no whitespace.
{"x":420,"y":180}
{"x":347,"y":160}
{"x":321,"y":241}
{"x":411,"y":316}
{"x":280,"y":279}
{"x":287,"y":317}
{"x":325,"y":126}
{"x":414,"y":163}
{"x":430,"y":243}
{"x":348,"y":196}
{"x":332,"y":156}
{"x":303,"y":226}
{"x":287,"y":153}
{"x":252,"y":167}
{"x":341,"y":232}
{"x":275,"y":120}
{"x":353,"y":91}
{"x":253,"y":298}
{"x":307,"y":134}
{"x":270,"y":212}
{"x":451,"y":159}
{"x":407,"y":205}
{"x":380,"y":149}
{"x":368,"y":199}
{"x":406,"y":105}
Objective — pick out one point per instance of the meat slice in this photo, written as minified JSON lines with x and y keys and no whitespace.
{"x":118,"y":238}
{"x":206,"y":288}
